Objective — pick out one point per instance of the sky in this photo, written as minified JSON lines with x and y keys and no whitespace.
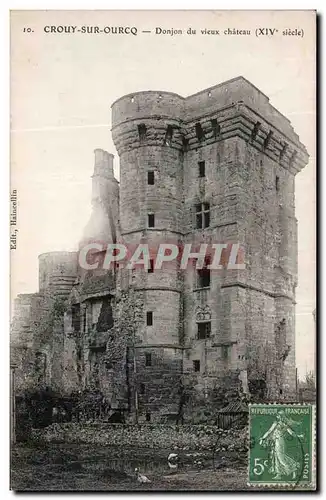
{"x":62,"y":88}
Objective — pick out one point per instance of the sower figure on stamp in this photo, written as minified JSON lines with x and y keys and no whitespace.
{"x":282,"y":464}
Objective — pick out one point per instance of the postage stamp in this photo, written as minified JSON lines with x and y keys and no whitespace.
{"x":281,"y":445}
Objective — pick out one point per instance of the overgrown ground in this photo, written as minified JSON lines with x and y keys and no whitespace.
{"x":73,"y":467}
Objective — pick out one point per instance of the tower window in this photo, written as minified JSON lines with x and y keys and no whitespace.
{"x":201,"y":169}
{"x":254,"y":132}
{"x":151,"y":220}
{"x":168,"y":136}
{"x":277,"y":183}
{"x":204,"y":330}
{"x":268,"y":139}
{"x":142,"y":388}
{"x":151,"y":266}
{"x":148,"y":359}
{"x":148,"y":417}
{"x":225,"y":351}
{"x":149,"y":318}
{"x":196,"y":364}
{"x":215,"y":127}
{"x":202,"y":215}
{"x":185,"y":143}
{"x":150,"y":178}
{"x":283,"y":152}
{"x":142,"y":131}
{"x":204,"y":275}
{"x":199,"y":132}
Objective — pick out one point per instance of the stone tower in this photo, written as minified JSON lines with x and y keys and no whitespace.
{"x":217,"y":166}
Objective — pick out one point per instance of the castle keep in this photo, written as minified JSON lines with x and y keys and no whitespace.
{"x":217,"y":166}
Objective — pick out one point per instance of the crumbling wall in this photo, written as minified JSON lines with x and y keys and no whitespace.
{"x":170,"y":437}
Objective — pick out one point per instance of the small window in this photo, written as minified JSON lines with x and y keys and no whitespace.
{"x":149,"y":318}
{"x":255,"y":130}
{"x":268,"y":139}
{"x":283,"y":152}
{"x":151,"y":220}
{"x":142,"y":131}
{"x":150,"y":178}
{"x":142,"y":388}
{"x":204,"y":330}
{"x":201,"y":169}
{"x":202,"y":215}
{"x":148,"y":359}
{"x":151,"y":266}
{"x":206,"y":219}
{"x":185,"y":143}
{"x":148,"y":417}
{"x":204,"y":275}
{"x":196,"y":364}
{"x":225,"y":351}
{"x":199,"y":132}
{"x":281,"y":392}
{"x":277,"y":183}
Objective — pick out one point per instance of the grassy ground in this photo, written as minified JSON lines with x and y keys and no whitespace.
{"x":91,"y":468}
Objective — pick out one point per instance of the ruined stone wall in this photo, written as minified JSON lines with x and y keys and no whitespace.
{"x":37,"y":328}
{"x":158,"y":385}
{"x":164,"y":436}
{"x":33,"y":342}
{"x":21,"y":330}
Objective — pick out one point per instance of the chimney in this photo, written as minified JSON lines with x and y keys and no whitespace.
{"x":103,"y":165}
